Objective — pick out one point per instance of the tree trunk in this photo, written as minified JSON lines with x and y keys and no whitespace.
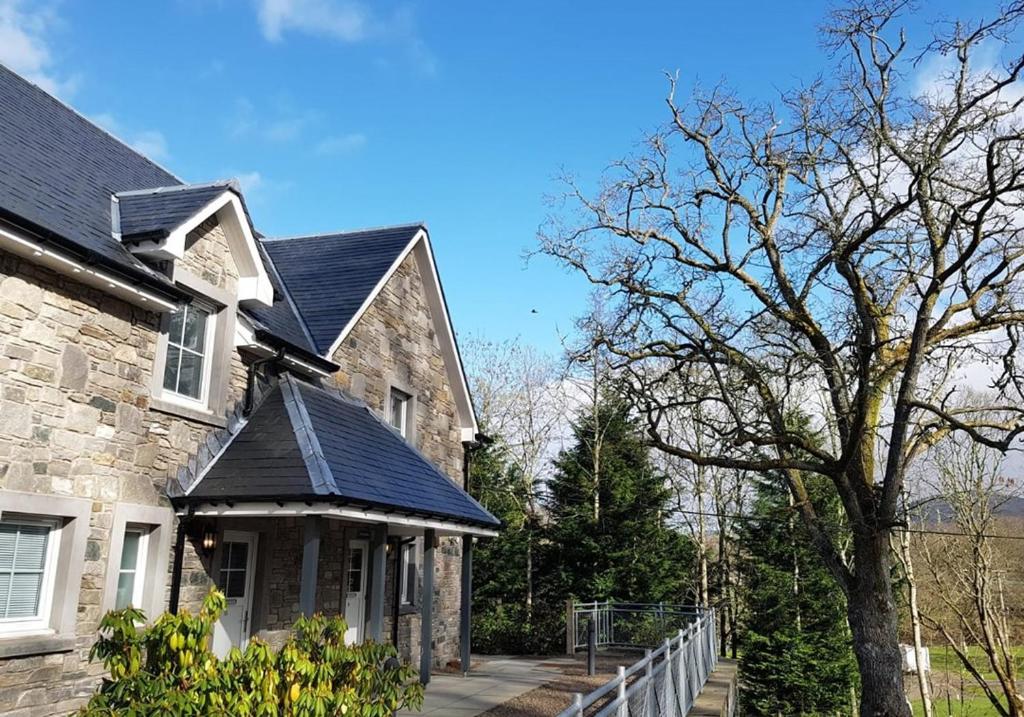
{"x":915,"y":621}
{"x":874,"y":621}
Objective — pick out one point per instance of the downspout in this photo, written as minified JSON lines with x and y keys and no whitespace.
{"x":250,"y":379}
{"x":179,"y":559}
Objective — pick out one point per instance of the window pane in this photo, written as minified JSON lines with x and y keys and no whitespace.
{"x":175,"y":325}
{"x":8,"y":534}
{"x":236,"y":584}
{"x":130,"y":552}
{"x":125,"y":590}
{"x":398,"y":405}
{"x":24,"y":595}
{"x":355,"y":570}
{"x":194,"y":336}
{"x":31,"y":554}
{"x":190,"y":382}
{"x":171,"y":368}
{"x":238,"y":555}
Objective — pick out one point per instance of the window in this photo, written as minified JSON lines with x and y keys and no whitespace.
{"x":188,"y":346}
{"x":131,"y":576}
{"x":398,"y":412}
{"x":234,"y":569}
{"x":28,"y":555}
{"x":408,"y":575}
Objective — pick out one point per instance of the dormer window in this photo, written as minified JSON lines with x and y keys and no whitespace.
{"x":186,"y":367}
{"x":399,"y":414}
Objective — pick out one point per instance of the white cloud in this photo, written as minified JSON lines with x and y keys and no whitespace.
{"x":259,"y":190}
{"x":25,"y":46}
{"x":149,"y":142}
{"x":341,"y":144}
{"x":249,"y":181}
{"x":346,"y":21}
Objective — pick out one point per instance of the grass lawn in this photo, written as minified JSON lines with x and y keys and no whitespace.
{"x":946,"y":672}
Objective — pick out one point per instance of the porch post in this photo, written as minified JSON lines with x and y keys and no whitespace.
{"x":378,"y":574}
{"x":310,"y":559}
{"x":427,"y":606}
{"x":465,"y":616}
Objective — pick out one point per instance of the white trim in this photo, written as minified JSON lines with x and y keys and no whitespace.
{"x":330,"y":510}
{"x":373,"y":294}
{"x":41,"y":621}
{"x":245,"y":337}
{"x":253,"y":281}
{"x":20,"y":244}
{"x":442,"y":322}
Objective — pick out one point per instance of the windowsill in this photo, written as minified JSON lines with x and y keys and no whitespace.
{"x":26,"y":645}
{"x":408,"y":609}
{"x":194,"y":414}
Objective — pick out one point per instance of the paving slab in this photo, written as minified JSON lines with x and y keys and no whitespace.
{"x":494,"y":681}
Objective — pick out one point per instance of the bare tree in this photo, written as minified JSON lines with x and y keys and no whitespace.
{"x":859,"y":239}
{"x":519,"y":398}
{"x":968,"y":570}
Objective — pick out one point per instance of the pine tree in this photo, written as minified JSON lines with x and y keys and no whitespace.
{"x":608,"y":536}
{"x":796,"y":657}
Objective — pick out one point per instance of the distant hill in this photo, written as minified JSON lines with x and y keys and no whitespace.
{"x":937,"y":510}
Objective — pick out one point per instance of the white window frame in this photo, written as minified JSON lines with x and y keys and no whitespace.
{"x":209,"y":355}
{"x":41,"y":621}
{"x":139,"y":571}
{"x":403,"y":420}
{"x":407,"y":551}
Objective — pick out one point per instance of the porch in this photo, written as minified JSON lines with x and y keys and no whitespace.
{"x":317,"y":506}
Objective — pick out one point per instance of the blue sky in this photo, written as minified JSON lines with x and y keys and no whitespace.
{"x":338,"y":114}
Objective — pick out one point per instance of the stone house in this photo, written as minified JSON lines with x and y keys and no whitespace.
{"x":186,"y":403}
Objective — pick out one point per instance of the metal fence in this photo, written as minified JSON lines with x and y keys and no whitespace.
{"x":665,"y":683}
{"x":627,"y":624}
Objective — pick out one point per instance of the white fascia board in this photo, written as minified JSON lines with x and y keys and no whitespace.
{"x":245,"y":337}
{"x":442,"y":324}
{"x":449,"y":347}
{"x":253,"y":281}
{"x":21,"y":244}
{"x":257,"y":509}
{"x":373,"y":294}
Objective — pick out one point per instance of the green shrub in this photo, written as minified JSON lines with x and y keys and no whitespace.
{"x":167,"y":669}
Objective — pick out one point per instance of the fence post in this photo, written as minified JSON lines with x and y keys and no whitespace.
{"x":570,"y":627}
{"x":681,"y":696}
{"x":592,"y":646}
{"x":620,"y":695}
{"x":666,"y":684}
{"x":648,"y":685}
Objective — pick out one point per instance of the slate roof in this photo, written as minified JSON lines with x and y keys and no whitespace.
{"x":58,"y":172}
{"x":307,"y":443}
{"x":154,"y":214}
{"x":329,"y":276}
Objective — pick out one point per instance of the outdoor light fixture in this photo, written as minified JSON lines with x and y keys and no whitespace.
{"x":209,"y":541}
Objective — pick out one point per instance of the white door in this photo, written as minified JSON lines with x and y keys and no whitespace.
{"x":235,"y":579}
{"x":355,"y":591}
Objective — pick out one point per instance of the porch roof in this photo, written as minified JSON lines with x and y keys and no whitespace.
{"x":309,"y":444}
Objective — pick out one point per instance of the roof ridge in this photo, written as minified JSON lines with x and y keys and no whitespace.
{"x":227,"y":184}
{"x":92,"y":122}
{"x":320,"y":476}
{"x":347,"y":232}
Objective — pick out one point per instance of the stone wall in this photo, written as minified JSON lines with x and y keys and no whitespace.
{"x":75,"y":420}
{"x":208,"y":256}
{"x":394,"y":344}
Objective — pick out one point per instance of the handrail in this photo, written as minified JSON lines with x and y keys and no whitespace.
{"x":684,"y":664}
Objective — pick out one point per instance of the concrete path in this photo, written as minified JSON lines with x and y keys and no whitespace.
{"x":494,"y":681}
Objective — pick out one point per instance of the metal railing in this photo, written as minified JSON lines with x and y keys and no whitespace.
{"x":665,"y":683}
{"x":627,"y":624}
